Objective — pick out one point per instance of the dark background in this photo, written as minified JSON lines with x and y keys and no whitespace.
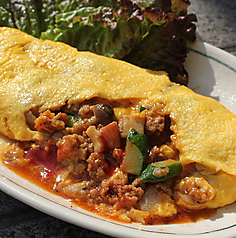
{"x":217,"y":26}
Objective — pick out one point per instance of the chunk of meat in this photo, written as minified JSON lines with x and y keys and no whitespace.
{"x":79,"y":170}
{"x":120,"y":193}
{"x":193,"y":191}
{"x":159,"y":172}
{"x":97,"y":167}
{"x":165,"y":151}
{"x":71,"y":148}
{"x":111,"y":136}
{"x":86,"y":111}
{"x":118,"y":155}
{"x":155,"y":122}
{"x":116,"y":191}
{"x":48,"y":121}
{"x":154,"y":154}
{"x":82,"y":125}
{"x":128,"y":194}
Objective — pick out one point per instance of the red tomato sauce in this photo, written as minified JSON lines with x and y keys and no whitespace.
{"x":45,"y":179}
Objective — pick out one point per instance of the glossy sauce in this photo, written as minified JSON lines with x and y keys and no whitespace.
{"x":45,"y":179}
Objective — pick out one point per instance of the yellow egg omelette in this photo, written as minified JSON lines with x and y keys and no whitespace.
{"x":122,"y":141}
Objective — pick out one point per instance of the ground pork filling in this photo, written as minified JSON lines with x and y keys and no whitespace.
{"x":91,"y":151}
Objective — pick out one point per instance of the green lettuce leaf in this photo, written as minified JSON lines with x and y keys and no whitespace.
{"x":100,"y":30}
{"x":21,"y":14}
{"x":71,"y":5}
{"x":180,"y":7}
{"x":5,"y":19}
{"x":165,"y":47}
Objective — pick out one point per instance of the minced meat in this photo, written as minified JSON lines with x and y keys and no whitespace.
{"x":88,"y":173}
{"x":97,"y":167}
{"x":48,"y":121}
{"x":155,"y":122}
{"x":71,"y":148}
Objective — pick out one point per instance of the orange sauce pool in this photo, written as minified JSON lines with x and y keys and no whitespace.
{"x":45,"y":179}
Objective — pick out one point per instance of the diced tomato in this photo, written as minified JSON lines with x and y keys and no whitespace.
{"x":111,"y":136}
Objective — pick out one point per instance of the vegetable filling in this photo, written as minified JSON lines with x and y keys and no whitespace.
{"x":118,"y":158}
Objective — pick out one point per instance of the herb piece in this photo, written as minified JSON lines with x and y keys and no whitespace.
{"x":159,"y":171}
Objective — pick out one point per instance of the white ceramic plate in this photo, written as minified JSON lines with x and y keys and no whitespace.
{"x":212,"y":73}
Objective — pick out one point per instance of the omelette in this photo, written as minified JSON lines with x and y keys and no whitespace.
{"x":121,"y":141}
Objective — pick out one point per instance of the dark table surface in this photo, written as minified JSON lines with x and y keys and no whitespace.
{"x":216,"y":25}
